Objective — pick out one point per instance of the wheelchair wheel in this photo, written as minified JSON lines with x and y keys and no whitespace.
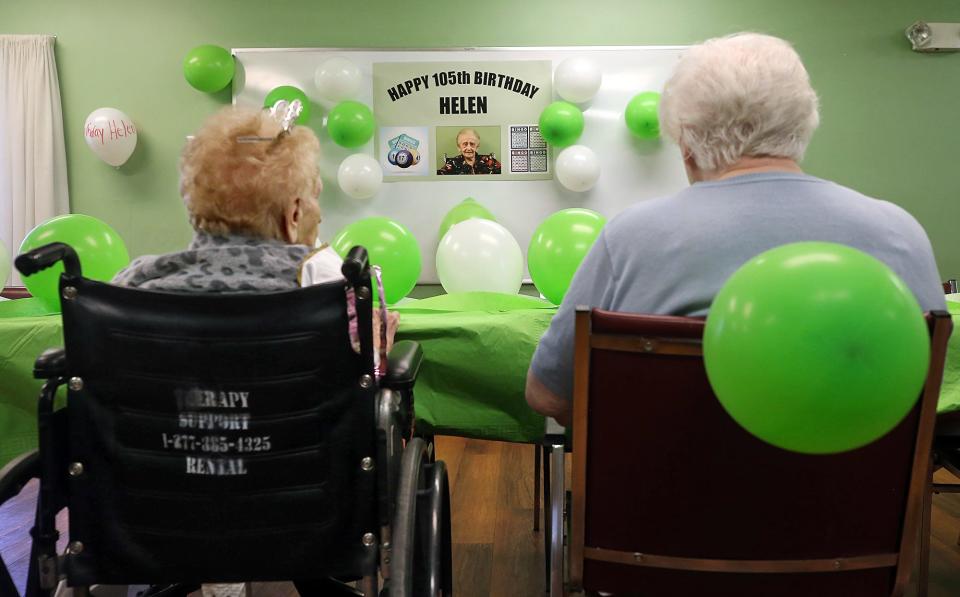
{"x":421,"y":530}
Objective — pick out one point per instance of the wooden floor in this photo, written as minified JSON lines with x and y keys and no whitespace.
{"x":495,"y":552}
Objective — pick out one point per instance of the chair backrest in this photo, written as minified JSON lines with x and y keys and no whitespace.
{"x":672,"y":497}
{"x":217,"y":437}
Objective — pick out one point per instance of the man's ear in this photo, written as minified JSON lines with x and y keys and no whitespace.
{"x":291,"y":220}
{"x":694,"y":174}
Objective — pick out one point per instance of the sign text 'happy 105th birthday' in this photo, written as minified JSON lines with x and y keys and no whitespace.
{"x":462,"y":104}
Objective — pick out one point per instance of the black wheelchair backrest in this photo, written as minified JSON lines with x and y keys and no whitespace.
{"x":216,"y":437}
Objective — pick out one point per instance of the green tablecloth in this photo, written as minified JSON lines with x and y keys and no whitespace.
{"x":477,"y":350}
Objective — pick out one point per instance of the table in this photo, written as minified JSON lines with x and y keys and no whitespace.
{"x":476,"y":348}
{"x":471,"y":384}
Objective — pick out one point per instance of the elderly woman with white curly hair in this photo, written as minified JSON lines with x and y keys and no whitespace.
{"x":742,"y":110}
{"x":250,"y":187}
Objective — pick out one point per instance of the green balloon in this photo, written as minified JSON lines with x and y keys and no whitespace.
{"x":561,"y":124}
{"x":642,"y":115}
{"x":466,"y":209}
{"x":558,"y":246}
{"x":389,"y":245}
{"x":816,"y":347}
{"x":289,"y":93}
{"x":208,"y":68}
{"x":351,"y":124}
{"x":100,"y":249}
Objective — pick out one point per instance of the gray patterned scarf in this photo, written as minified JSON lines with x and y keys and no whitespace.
{"x":211,"y":263}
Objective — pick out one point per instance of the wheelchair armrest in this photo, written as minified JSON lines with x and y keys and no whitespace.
{"x":17,"y":472}
{"x":51,"y":363}
{"x":403,"y":364}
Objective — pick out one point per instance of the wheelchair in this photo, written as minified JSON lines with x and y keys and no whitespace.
{"x":229,"y":438}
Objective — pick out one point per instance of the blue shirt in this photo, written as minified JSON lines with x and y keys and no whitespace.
{"x":671,"y":255}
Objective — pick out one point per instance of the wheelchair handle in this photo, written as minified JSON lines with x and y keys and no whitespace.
{"x":43,"y":257}
{"x":356,"y":264}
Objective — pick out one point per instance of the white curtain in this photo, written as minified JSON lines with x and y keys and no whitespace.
{"x":33,"y":161}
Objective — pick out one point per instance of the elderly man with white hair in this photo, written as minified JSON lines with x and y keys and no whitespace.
{"x":742,"y":110}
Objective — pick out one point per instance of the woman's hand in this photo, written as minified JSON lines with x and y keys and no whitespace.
{"x":393,"y":320}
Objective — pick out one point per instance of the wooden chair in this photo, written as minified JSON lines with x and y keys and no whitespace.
{"x":671,"y":497}
{"x":945,"y":455}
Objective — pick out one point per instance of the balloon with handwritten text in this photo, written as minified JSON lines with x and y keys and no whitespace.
{"x":111,"y":135}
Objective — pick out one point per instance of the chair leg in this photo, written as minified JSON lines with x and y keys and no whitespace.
{"x":537,"y":480}
{"x":924,"y":564}
{"x":546,"y":508}
{"x":368,"y":586}
{"x":557,"y":499}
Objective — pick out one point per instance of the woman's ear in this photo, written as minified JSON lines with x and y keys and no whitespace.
{"x":291,"y":220}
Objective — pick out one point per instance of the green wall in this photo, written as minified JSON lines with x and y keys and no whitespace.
{"x":889,"y":123}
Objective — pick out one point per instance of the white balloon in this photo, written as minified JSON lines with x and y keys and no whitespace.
{"x":479,"y":255}
{"x":337,"y":79}
{"x":5,"y":265}
{"x":577,"y":79}
{"x":360,"y":176}
{"x":578,"y":168}
{"x":111,"y":135}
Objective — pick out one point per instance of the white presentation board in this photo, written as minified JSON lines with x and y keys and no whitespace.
{"x":631,"y":169}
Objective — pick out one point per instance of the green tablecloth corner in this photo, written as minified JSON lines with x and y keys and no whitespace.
{"x":27,"y":307}
{"x":950,"y":390}
{"x":23,"y":336}
{"x":477,"y":348}
{"x":486,"y":302}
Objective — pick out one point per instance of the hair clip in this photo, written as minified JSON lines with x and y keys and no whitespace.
{"x":285,"y":113}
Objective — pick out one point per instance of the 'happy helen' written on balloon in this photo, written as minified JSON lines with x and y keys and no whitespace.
{"x":111,"y":132}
